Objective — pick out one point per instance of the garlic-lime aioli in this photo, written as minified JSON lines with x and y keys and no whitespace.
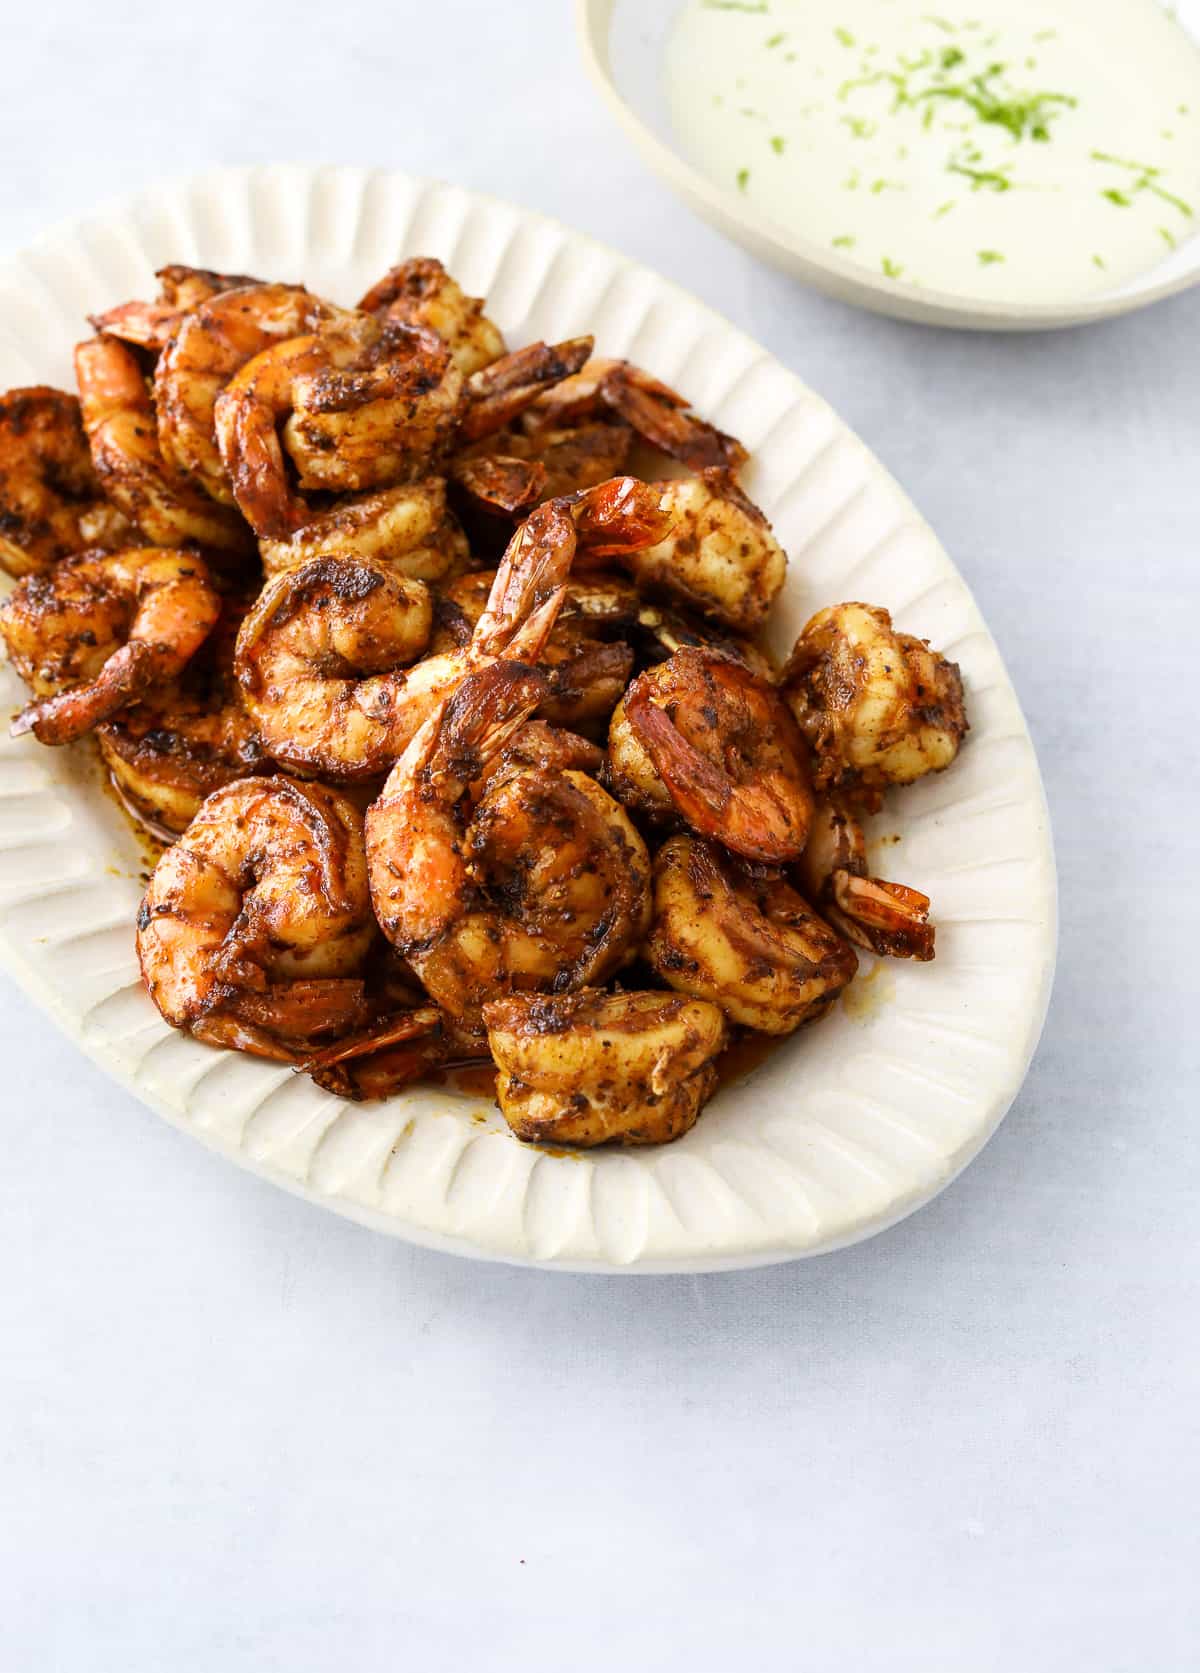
{"x":1025,"y":150}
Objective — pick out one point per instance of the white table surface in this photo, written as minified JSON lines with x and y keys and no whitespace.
{"x":237,"y":1433}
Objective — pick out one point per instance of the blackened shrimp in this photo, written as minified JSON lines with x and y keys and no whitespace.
{"x":541,"y":883}
{"x":721,"y":556}
{"x":420,"y":292}
{"x":878,"y":707}
{"x":597,"y":1068}
{"x":151,"y":325}
{"x":742,"y":937}
{"x":409,"y":529}
{"x":101,"y":630}
{"x":51,"y":505}
{"x":211,"y":344}
{"x":658,"y":414}
{"x":119,"y":419}
{"x":702,"y":735}
{"x":181,"y":741}
{"x":255,"y":923}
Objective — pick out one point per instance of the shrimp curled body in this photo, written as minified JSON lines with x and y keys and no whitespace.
{"x":540,"y":881}
{"x":103,"y":629}
{"x":747,"y":942}
{"x":255,"y":923}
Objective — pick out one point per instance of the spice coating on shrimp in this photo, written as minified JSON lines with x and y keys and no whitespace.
{"x":51,"y":505}
{"x":101,"y":630}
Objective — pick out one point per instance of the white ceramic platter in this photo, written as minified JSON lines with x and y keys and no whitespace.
{"x":845,"y":1129}
{"x":623,"y":44}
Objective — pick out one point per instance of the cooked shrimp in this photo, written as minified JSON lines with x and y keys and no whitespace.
{"x":151,"y":325}
{"x":543,"y":883}
{"x":890,"y":919}
{"x":211,"y":344}
{"x":720,"y":557}
{"x":51,"y":505}
{"x":420,"y":292}
{"x":363,"y":405}
{"x":742,"y":937}
{"x":511,"y":471}
{"x":319,"y":661}
{"x":702,"y":734}
{"x":409,"y":529}
{"x":659,"y":415}
{"x":182,"y":741}
{"x":352,"y":715}
{"x":878,"y":707}
{"x":587,"y":669}
{"x":498,"y":393}
{"x":255,"y":924}
{"x":101,"y":630}
{"x":589,"y":1068}
{"x":119,"y":420}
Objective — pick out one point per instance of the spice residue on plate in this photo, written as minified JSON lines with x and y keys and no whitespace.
{"x":1027,"y":152}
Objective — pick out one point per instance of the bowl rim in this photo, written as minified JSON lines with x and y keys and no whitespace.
{"x":832,"y":274}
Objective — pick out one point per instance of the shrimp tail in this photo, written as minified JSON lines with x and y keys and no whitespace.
{"x":621,"y":515}
{"x":890,"y":919}
{"x":69,"y":714}
{"x":382,"y":1057}
{"x":497,"y":393}
{"x":661,"y":417}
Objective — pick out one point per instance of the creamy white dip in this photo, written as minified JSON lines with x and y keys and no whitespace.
{"x":1024,"y":150}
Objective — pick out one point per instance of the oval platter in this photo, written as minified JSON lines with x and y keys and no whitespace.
{"x":842,"y":1131}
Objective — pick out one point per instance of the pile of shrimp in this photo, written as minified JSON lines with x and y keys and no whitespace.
{"x":438,"y":667}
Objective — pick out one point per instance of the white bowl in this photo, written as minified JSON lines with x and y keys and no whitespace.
{"x":849,"y":1125}
{"x":623,"y":45}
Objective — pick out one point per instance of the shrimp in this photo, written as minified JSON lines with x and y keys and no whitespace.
{"x":878,"y":707}
{"x":409,"y":529}
{"x":180,"y":742}
{"x":890,"y":919}
{"x":211,"y":343}
{"x":101,"y":630}
{"x":544,"y":882}
{"x":420,"y":292}
{"x":363,"y":406}
{"x":319,"y":661}
{"x":151,"y":325}
{"x":255,"y":924}
{"x":119,"y":419}
{"x":702,"y":735}
{"x":592,"y":1068}
{"x":351,"y":714}
{"x":51,"y":505}
{"x":721,"y":557}
{"x":509,"y":472}
{"x":742,"y":937}
{"x":659,"y":415}
{"x":586,"y":668}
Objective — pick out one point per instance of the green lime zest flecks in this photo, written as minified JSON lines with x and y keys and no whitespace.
{"x":743,"y":179}
{"x":860,"y":126}
{"x":844,"y":35}
{"x":776,"y":39}
{"x":1099,"y":261}
{"x":843,"y":242}
{"x":778,"y":144}
{"x":982,"y":179}
{"x":989,"y":258}
{"x":1146,"y":180}
{"x":891,"y":269}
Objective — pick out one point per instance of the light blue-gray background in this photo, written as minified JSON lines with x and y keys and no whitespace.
{"x":238,"y":1434}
